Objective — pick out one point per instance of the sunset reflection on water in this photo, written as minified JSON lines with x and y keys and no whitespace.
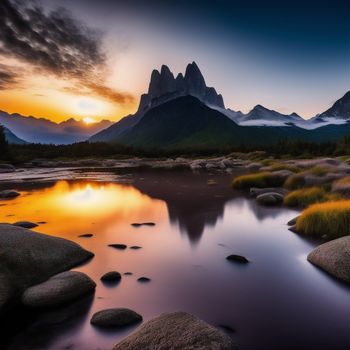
{"x":70,"y":208}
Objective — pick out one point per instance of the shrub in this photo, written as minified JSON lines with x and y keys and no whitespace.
{"x":294,"y":182}
{"x":319,"y":170}
{"x":331,"y":219}
{"x":304,"y":197}
{"x":264,"y":179}
{"x":283,"y":166}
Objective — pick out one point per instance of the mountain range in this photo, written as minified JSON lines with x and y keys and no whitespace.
{"x":40,"y":130}
{"x":183,"y":112}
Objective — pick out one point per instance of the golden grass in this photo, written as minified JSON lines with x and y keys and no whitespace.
{"x":283,"y":166}
{"x":264,"y":179}
{"x":304,"y":197}
{"x":319,"y":170}
{"x":343,"y":181}
{"x":294,"y":182}
{"x":331,"y":219}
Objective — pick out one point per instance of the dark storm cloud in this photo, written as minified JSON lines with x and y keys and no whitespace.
{"x":55,"y":43}
{"x":7,"y":77}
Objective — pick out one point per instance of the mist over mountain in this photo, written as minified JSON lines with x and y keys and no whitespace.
{"x":41,"y":130}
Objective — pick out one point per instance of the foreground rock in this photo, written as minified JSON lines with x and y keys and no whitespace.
{"x":9,"y":194}
{"x":59,"y":289}
{"x":120,"y":317}
{"x":28,"y":258}
{"x":270,"y":198}
{"x":178,"y":330}
{"x":334,"y":258}
{"x":26,"y":224}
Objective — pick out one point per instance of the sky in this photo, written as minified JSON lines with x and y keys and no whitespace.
{"x":93,"y":59}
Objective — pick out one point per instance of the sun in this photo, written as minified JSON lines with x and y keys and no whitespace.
{"x":88,"y":120}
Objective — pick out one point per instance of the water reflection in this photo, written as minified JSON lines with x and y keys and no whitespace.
{"x":278,"y":301}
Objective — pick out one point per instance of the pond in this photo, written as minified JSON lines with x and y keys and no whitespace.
{"x":277,"y":301}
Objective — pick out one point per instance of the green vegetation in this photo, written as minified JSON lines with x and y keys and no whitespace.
{"x":331,"y":219}
{"x":302,"y":198}
{"x":265,"y":179}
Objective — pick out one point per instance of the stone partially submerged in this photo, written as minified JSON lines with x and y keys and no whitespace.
{"x":178,"y":330}
{"x":28,"y":258}
{"x":58,"y":290}
{"x":334,"y":258}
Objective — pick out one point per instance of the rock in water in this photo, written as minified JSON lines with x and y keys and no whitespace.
{"x":111,"y":276}
{"x":270,"y":198}
{"x":293,"y":221}
{"x":59,"y":289}
{"x":118,"y":246}
{"x":333,"y":257}
{"x":237,"y":258}
{"x":25,"y":224}
{"x":28,"y":258}
{"x":9,"y":194}
{"x":120,"y":317}
{"x":178,"y":330}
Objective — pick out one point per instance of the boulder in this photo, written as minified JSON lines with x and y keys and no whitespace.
{"x":255,"y":191}
{"x":334,"y":258}
{"x":26,"y":224}
{"x":59,"y":289}
{"x":9,"y":194}
{"x":7,"y":168}
{"x":119,"y":317}
{"x":111,"y":276}
{"x":270,"y":198}
{"x":28,"y":258}
{"x":178,"y":330}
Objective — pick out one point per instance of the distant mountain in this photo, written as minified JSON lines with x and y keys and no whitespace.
{"x":339,"y":113}
{"x":261,"y":115}
{"x":183,"y":112}
{"x":12,"y":138}
{"x":164,"y":87}
{"x":40,"y":130}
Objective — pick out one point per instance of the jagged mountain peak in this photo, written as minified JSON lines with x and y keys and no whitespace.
{"x":339,"y":110}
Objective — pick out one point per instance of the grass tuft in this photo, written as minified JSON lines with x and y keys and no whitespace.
{"x":261,"y":180}
{"x":331,"y":219}
{"x":294,"y":182}
{"x":304,"y":197}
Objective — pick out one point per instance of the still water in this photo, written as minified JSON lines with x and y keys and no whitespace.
{"x":278,"y":301}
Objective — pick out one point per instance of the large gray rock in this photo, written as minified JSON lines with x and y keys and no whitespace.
{"x":333,"y":257}
{"x":118,"y":317}
{"x":270,"y":198}
{"x":28,"y":258}
{"x":178,"y":330}
{"x":59,"y":289}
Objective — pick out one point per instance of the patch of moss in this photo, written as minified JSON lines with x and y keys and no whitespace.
{"x":261,"y":180}
{"x":331,"y":219}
